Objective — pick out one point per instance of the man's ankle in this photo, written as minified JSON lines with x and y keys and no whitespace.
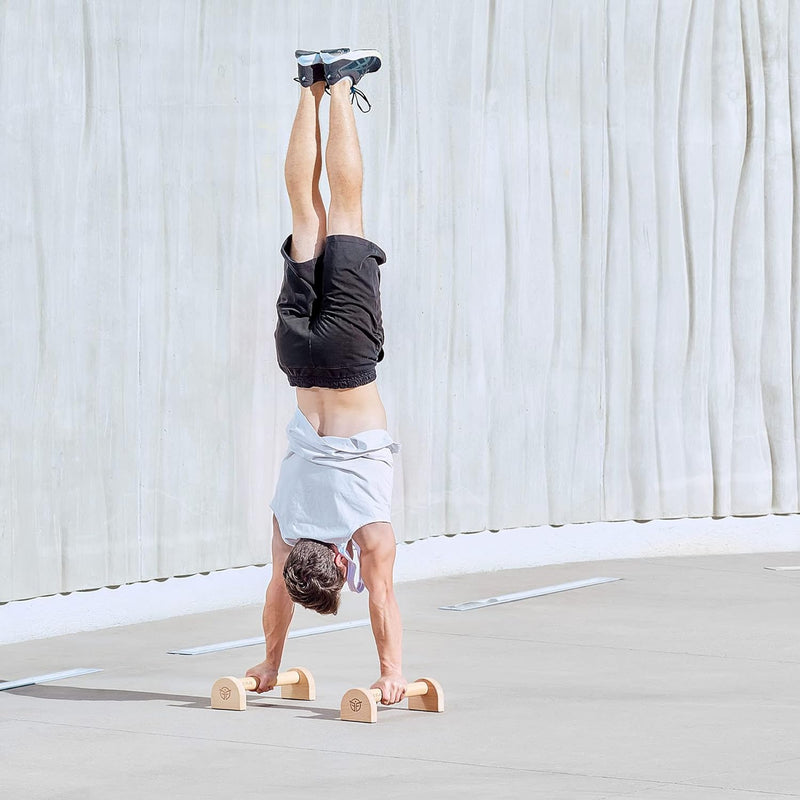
{"x":345,"y":84}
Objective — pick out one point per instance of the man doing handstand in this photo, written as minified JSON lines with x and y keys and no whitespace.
{"x":332,"y":502}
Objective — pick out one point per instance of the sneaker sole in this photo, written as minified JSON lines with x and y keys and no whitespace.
{"x":351,"y":55}
{"x":307,"y":58}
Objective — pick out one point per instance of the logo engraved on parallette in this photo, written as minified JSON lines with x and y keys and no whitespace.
{"x":225,"y":693}
{"x":355,"y":705}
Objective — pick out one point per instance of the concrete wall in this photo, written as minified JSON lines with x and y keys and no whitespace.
{"x":590,"y":215}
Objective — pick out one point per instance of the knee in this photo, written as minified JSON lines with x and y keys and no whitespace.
{"x":307,"y":207}
{"x":345,"y":188}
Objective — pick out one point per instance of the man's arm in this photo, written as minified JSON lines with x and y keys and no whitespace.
{"x":377,"y":564}
{"x":276,"y":617}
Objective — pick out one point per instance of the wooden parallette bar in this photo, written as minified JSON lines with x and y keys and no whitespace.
{"x":361,"y":705}
{"x":231,"y":693}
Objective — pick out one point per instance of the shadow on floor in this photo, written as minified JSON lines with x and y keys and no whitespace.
{"x":175,"y":700}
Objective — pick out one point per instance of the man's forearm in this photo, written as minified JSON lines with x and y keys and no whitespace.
{"x":387,"y":628}
{"x":277,"y":616}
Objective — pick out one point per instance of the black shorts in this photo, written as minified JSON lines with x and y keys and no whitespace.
{"x":330,"y":327}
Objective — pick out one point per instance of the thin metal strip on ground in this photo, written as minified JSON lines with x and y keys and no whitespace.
{"x":510,"y":598}
{"x":781,"y":569}
{"x":52,"y":676}
{"x":213,"y":648}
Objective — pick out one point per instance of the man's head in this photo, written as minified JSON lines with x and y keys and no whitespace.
{"x":314,"y":574}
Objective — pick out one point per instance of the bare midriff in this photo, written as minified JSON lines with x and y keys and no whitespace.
{"x":343,"y":412}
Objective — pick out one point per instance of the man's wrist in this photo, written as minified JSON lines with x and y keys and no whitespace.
{"x":271,"y":663}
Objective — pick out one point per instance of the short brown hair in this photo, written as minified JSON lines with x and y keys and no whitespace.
{"x":312,"y":578}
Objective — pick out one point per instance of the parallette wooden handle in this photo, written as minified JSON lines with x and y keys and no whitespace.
{"x":416,"y":689}
{"x":231,"y":692}
{"x":284,"y":679}
{"x":361,"y":705}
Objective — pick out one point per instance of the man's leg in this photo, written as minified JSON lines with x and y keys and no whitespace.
{"x":302,"y":171}
{"x":343,"y":162}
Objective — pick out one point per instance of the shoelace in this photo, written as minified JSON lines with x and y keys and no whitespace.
{"x":355,"y":94}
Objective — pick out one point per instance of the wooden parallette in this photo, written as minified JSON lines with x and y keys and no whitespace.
{"x":231,"y":693}
{"x":361,"y":705}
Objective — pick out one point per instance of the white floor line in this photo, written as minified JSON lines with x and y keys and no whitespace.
{"x":213,"y":648}
{"x":52,"y":676}
{"x":510,"y":598}
{"x":782,"y":568}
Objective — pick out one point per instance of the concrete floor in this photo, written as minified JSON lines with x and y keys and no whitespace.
{"x":682,"y":680}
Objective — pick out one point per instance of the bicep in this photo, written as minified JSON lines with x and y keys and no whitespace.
{"x":377,"y":563}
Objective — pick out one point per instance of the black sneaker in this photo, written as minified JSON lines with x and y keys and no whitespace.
{"x":310,"y":68}
{"x":353,"y":64}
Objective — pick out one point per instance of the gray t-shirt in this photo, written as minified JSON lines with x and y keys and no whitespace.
{"x":329,"y":486}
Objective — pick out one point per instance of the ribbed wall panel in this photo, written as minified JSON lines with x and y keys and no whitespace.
{"x":590,"y":211}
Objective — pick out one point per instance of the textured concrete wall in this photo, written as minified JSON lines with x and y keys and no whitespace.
{"x":590,"y":300}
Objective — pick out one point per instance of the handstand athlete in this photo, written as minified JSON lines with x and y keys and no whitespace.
{"x":332,"y":502}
